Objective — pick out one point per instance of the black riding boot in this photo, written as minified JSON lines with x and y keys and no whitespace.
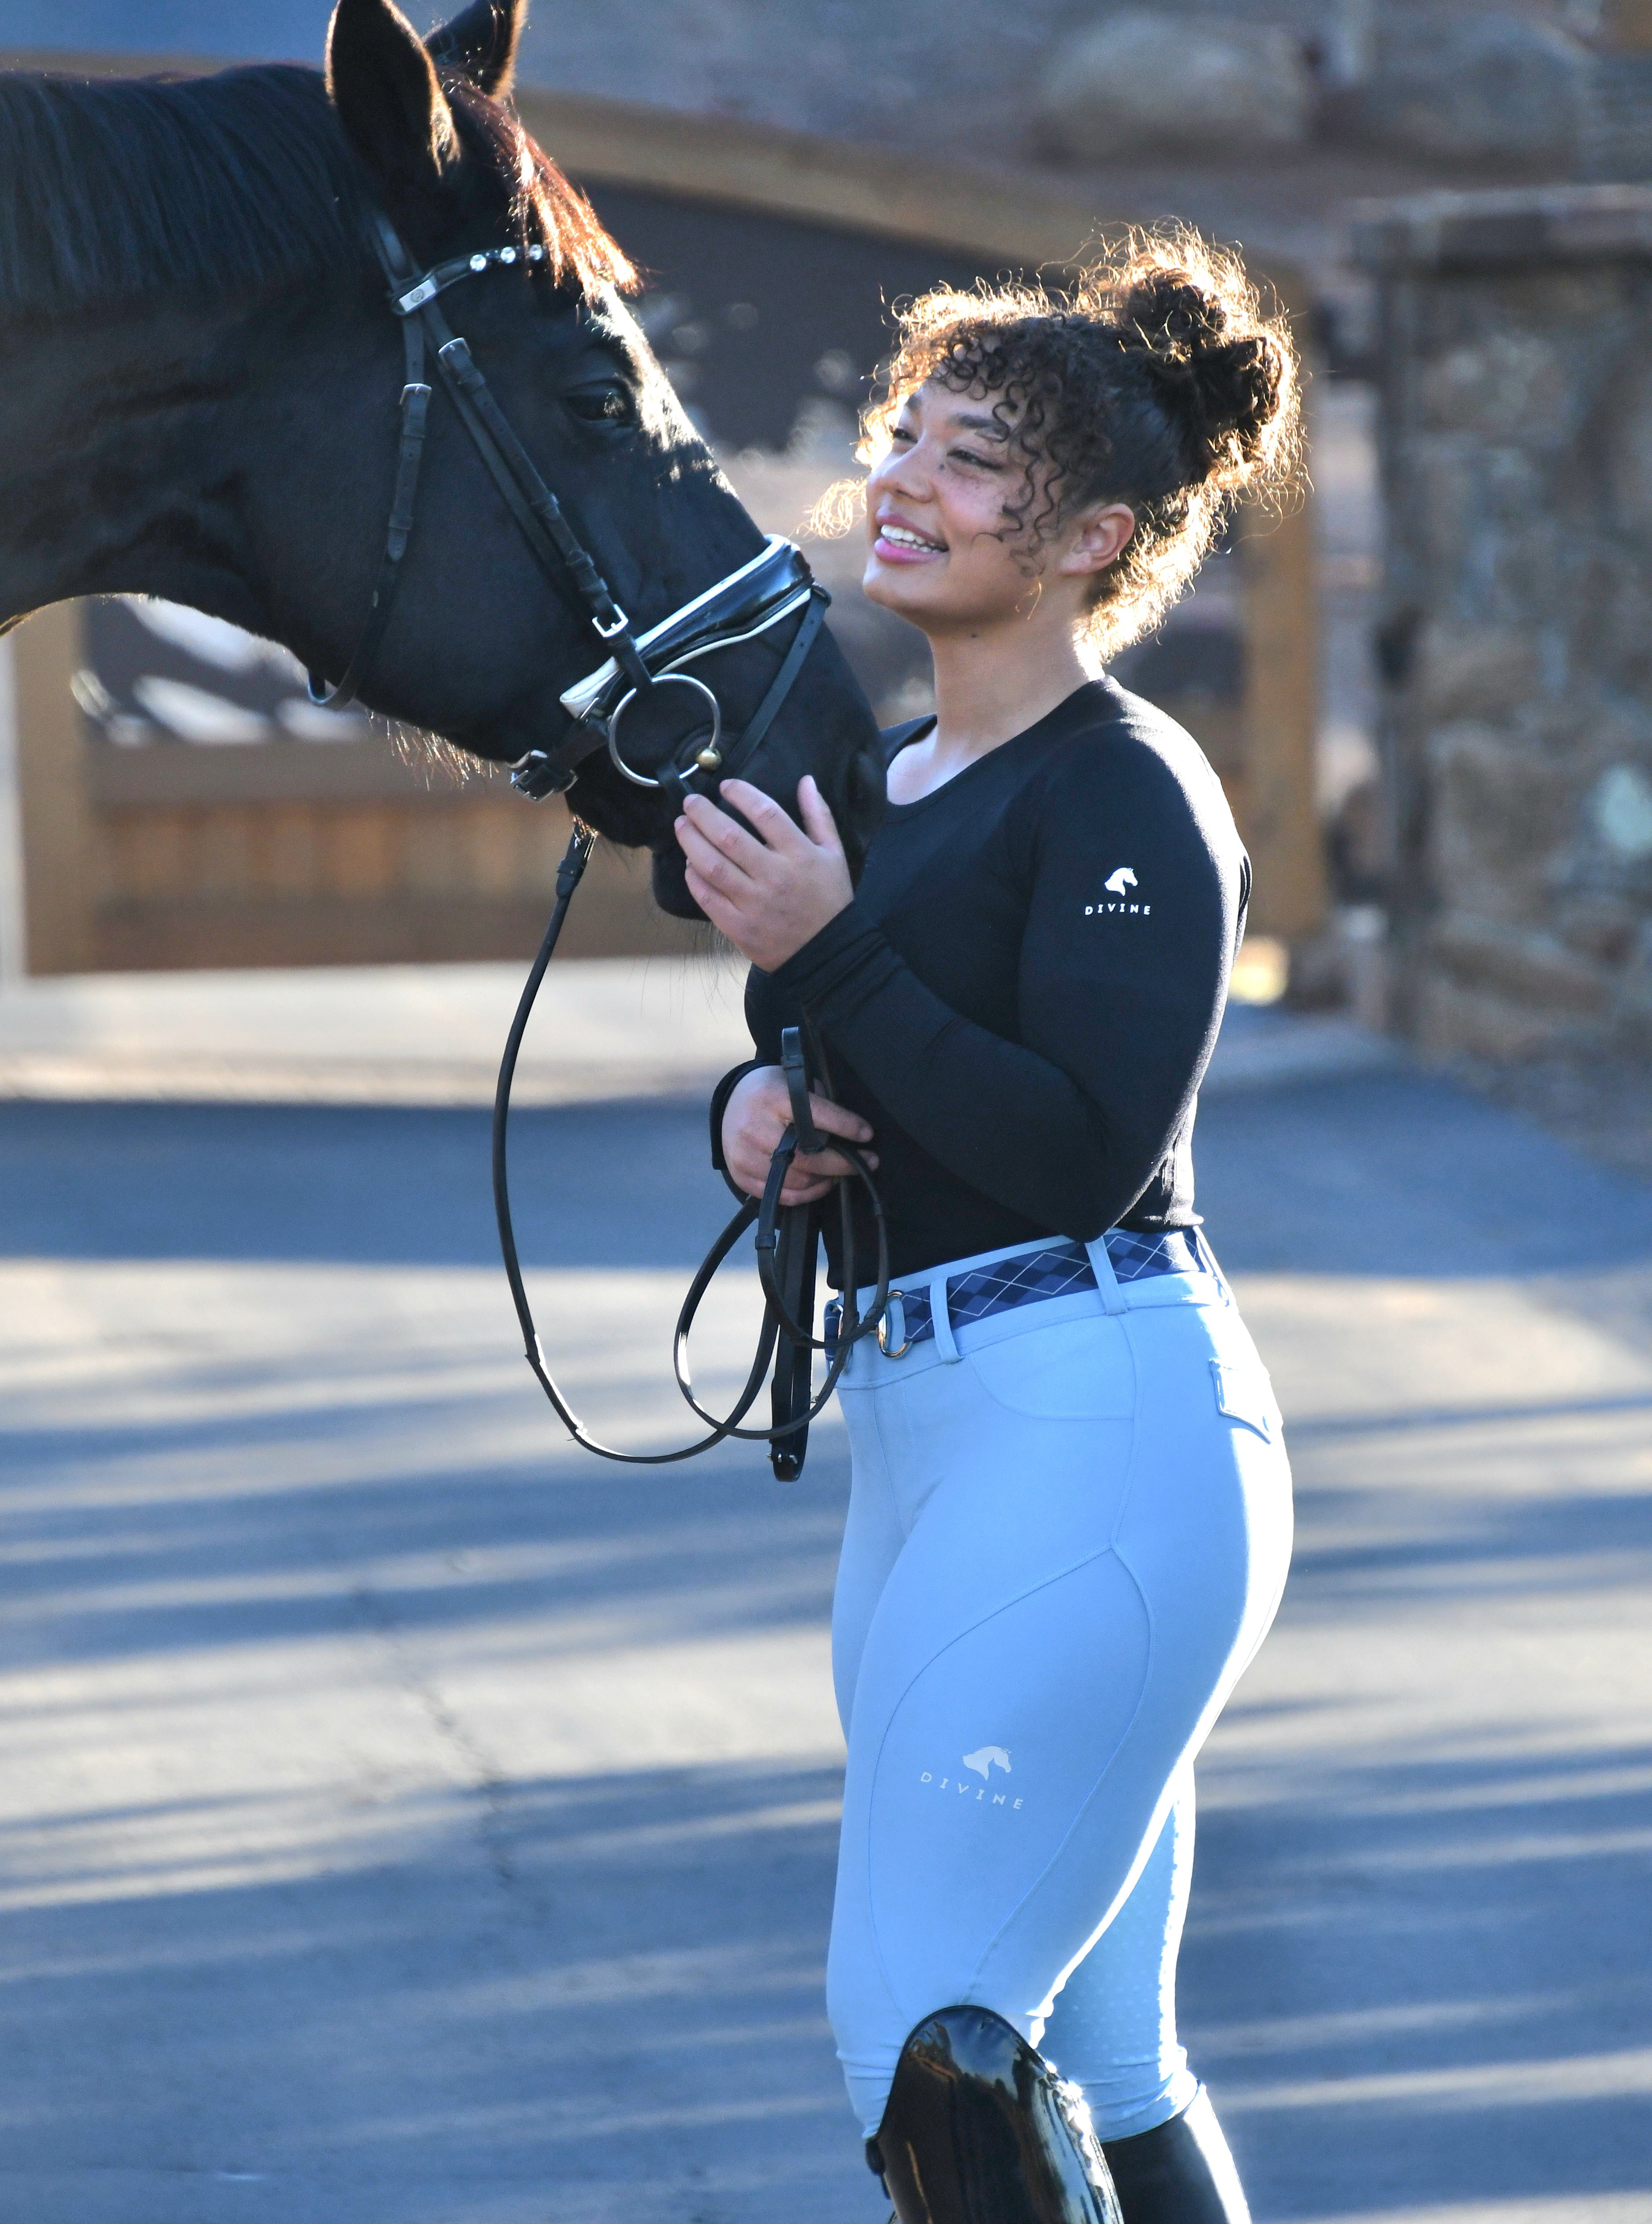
{"x":980,"y":2129}
{"x":1180,"y":2173}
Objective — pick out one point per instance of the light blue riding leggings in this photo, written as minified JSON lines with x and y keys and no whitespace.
{"x":1068,"y":1532}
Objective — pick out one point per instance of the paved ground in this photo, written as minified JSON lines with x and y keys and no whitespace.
{"x":407,"y":1823}
{"x":603,"y":1029}
{"x":1598,"y":1100}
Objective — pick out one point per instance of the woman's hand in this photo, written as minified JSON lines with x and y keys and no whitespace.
{"x":758,"y":1109}
{"x":770,"y":891}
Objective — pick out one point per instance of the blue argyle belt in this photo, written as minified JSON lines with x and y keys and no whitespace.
{"x":1028,"y":1278}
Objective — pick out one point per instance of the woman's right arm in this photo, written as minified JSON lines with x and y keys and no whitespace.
{"x":757,"y":1111}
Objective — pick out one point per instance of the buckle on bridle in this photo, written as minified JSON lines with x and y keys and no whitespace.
{"x":536,"y":776}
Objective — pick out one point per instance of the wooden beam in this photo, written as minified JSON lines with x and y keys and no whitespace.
{"x":964,"y":207}
{"x":59,"y":856}
{"x":1627,"y":25}
{"x":1279,"y":818}
{"x":968,"y":208}
{"x":14,"y":954}
{"x":71,"y":61}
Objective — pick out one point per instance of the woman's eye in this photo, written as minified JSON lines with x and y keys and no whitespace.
{"x":608,"y":404}
{"x":981,"y":463}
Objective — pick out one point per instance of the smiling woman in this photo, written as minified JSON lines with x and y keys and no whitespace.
{"x":1070,"y":1518}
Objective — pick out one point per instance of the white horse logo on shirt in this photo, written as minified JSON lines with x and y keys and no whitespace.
{"x":983,"y":1762}
{"x":1122,"y":879}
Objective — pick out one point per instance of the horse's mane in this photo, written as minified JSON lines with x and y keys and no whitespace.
{"x":219,"y":184}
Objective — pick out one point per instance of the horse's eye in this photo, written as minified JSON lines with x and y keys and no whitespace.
{"x":608,"y":403}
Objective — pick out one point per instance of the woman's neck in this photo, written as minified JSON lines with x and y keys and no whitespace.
{"x":991,"y":685}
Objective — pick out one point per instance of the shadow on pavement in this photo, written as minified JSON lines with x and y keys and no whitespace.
{"x":492,"y":1987}
{"x":1470,"y":1924}
{"x":605,"y":1992}
{"x":1385,"y":1173}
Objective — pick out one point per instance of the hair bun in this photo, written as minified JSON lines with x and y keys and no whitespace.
{"x":1224,"y":392}
{"x":1171,"y":309}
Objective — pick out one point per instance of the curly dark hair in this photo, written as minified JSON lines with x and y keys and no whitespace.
{"x":1157,"y":381}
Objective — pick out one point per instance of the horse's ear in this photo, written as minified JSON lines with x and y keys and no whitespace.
{"x":394,"y":112}
{"x":482,"y":42}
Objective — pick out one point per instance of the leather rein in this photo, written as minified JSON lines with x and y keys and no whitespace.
{"x":761,"y":593}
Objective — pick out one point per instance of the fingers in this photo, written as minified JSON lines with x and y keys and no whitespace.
{"x":811,"y":1175}
{"x":831,"y":1163}
{"x":703,"y":828}
{"x":818,"y":822}
{"x":804,"y":1192}
{"x":722,"y":914}
{"x":837,"y":1120}
{"x":709,"y":857}
{"x":759,"y":1113}
{"x":778,"y":828}
{"x":726,"y":835}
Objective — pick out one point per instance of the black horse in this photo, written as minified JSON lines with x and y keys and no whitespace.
{"x":198,"y":383}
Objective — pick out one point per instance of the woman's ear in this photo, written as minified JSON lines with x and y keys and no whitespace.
{"x":394,"y":112}
{"x":1100,"y":539}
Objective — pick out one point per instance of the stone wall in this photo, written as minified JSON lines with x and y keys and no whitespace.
{"x":1474,"y":89}
{"x":1516,"y":636}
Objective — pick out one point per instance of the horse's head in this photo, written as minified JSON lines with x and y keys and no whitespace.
{"x":480,"y":645}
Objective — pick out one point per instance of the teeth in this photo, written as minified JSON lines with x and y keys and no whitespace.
{"x":904,"y":540}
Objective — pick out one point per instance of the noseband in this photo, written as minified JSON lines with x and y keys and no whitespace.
{"x":761,"y":593}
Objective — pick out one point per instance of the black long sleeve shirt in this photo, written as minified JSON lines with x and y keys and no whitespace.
{"x":1023,"y":995}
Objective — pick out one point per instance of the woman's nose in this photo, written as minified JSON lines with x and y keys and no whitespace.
{"x":906,"y":471}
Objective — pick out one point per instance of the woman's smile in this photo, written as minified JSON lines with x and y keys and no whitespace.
{"x":897,"y":540}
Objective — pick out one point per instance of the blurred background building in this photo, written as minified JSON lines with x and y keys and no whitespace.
{"x":1454,"y":833}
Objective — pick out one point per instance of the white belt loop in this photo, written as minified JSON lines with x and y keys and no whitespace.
{"x":941,"y":1319}
{"x":1112,"y":1298}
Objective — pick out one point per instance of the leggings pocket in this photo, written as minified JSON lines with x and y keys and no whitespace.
{"x":1074,"y":1370}
{"x":1244,"y":1393}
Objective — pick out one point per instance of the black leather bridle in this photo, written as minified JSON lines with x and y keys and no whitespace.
{"x":761,"y":594}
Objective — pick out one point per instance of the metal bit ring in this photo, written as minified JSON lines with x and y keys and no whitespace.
{"x":665,"y":680}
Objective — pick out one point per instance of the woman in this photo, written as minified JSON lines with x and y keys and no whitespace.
{"x":1070,"y":1518}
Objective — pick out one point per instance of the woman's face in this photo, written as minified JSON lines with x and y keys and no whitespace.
{"x":948,"y":550}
